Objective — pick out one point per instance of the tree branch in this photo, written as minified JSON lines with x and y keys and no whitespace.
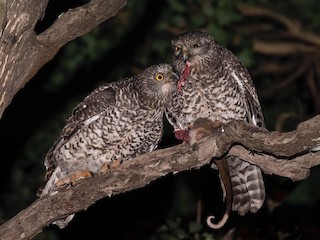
{"x":284,"y":154}
{"x":20,"y":44}
{"x":66,"y":27}
{"x":281,"y":48}
{"x":294,"y":27}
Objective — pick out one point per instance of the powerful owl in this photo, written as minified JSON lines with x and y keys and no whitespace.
{"x":115,"y":123}
{"x":214,"y":84}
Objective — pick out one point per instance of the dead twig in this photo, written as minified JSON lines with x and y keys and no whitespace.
{"x":293,"y":26}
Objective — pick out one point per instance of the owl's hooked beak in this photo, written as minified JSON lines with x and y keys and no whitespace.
{"x":175,"y":76}
{"x":185,"y":54}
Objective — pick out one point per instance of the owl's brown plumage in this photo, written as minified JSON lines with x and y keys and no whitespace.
{"x":214,"y":84}
{"x":116,"y":122}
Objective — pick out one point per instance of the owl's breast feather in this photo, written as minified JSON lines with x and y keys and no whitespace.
{"x":185,"y":74}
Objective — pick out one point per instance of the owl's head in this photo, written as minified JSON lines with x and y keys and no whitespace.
{"x":156,"y":84}
{"x":197,"y":48}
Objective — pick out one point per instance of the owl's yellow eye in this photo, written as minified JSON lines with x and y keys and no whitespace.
{"x":159,"y":77}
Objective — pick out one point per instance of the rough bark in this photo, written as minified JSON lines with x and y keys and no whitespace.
{"x":283,"y":154}
{"x":23,"y":52}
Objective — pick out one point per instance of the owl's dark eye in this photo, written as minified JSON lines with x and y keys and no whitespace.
{"x":159,"y":77}
{"x":195,"y":45}
{"x":177,"y":49}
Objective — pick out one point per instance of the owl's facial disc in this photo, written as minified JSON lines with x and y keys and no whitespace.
{"x":166,"y":80}
{"x":195,"y":51}
{"x":167,"y":86}
{"x":185,"y":54}
{"x":181,"y":51}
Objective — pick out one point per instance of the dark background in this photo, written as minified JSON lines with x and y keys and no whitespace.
{"x":287,"y":82}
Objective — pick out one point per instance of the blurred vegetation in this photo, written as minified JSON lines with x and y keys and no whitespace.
{"x":279,"y":43}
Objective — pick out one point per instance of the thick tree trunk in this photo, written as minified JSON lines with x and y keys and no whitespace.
{"x":23,"y":52}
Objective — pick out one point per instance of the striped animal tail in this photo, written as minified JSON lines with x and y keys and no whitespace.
{"x":247,"y":184}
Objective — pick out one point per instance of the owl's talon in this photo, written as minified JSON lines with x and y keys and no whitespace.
{"x":73,"y":178}
{"x":110,"y":165}
{"x":77,"y":176}
{"x":62,"y":182}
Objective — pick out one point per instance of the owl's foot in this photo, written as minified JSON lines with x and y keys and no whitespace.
{"x":73,"y":178}
{"x":182,"y":135}
{"x":112,"y":165}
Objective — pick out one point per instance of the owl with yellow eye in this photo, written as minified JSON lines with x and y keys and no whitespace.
{"x":115,"y":123}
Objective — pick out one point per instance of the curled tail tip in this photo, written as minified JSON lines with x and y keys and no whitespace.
{"x":218,"y":225}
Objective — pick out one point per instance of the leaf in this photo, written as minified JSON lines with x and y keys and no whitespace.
{"x":173,"y":223}
{"x":307,"y":192}
{"x":246,"y":56}
{"x":178,"y":6}
{"x":226,"y":17}
{"x":207,"y":236}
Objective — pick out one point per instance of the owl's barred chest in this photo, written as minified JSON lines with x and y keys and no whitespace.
{"x":114,"y":123}
{"x":116,"y":135}
{"x":210,"y":98}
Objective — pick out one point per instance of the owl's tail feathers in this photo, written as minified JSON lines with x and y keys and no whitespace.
{"x":248,"y":186}
{"x":48,"y":188}
{"x":50,"y":182}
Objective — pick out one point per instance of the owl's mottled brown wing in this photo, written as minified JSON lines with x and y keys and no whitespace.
{"x":247,"y":180}
{"x":241,"y":76}
{"x":172,"y":109}
{"x":90,"y":109}
{"x":86,"y":112}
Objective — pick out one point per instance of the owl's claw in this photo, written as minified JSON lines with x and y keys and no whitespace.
{"x":73,"y":178}
{"x":110,"y":165}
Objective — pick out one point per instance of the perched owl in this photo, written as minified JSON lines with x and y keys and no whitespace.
{"x":115,"y":123}
{"x":214,"y":84}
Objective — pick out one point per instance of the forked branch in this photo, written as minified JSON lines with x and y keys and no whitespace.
{"x":283,"y":154}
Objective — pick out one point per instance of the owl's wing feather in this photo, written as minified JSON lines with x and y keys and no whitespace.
{"x":86,"y":112}
{"x":171,"y":110}
{"x":247,"y":180}
{"x":241,"y":76}
{"x":90,"y":109}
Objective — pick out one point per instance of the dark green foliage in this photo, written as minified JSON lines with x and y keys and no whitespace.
{"x":172,"y":230}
